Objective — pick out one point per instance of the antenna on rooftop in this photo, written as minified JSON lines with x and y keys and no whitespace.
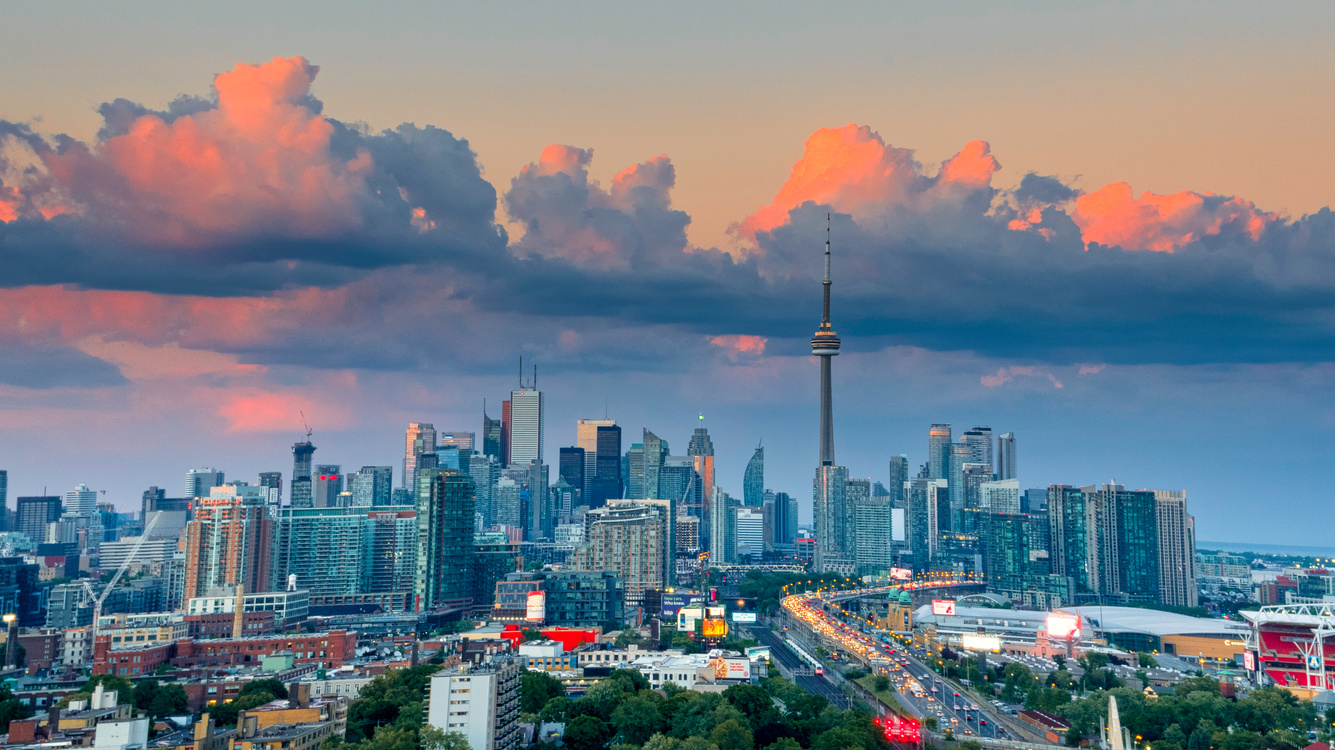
{"x":305,"y":424}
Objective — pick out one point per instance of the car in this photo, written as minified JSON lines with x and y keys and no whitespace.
{"x":982,"y":722}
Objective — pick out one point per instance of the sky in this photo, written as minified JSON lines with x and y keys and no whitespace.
{"x":1101,"y":227}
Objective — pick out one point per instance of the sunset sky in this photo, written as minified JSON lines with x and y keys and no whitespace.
{"x":1101,"y":227}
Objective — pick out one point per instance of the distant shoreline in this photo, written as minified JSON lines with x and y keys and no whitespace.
{"x":1295,"y":550}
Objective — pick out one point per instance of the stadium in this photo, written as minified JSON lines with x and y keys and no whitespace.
{"x":1288,"y":647}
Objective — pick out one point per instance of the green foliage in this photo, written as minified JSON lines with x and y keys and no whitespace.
{"x":531,"y":634}
{"x":628,"y":637}
{"x":438,"y":739}
{"x":731,"y":735}
{"x":123,"y":687}
{"x":638,"y":719}
{"x":160,"y":700}
{"x":536,"y":688}
{"x":11,"y":709}
{"x":1146,"y":660}
{"x":586,"y":733}
{"x":783,"y":743}
{"x":882,"y":683}
{"x":225,"y":714}
{"x":392,"y":699}
{"x":1017,"y":681}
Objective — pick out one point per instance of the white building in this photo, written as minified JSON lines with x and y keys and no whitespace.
{"x":80,"y":501}
{"x":285,"y":605}
{"x":480,"y":701}
{"x":153,"y":550}
{"x":683,"y":670}
{"x":525,"y":428}
{"x":750,"y":531}
{"x":1000,"y":497}
{"x":125,"y":734}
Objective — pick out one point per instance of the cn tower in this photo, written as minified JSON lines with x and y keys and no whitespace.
{"x":825,"y":344}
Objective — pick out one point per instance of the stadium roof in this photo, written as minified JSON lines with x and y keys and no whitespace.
{"x":1154,"y":622}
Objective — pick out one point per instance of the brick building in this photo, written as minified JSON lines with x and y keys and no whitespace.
{"x":330,"y":650}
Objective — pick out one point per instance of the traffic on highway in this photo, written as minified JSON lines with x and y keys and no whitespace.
{"x":846,"y":637}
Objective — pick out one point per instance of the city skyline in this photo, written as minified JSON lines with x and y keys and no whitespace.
{"x":657,"y":270}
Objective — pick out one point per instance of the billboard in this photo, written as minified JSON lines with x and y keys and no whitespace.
{"x":731,"y":669}
{"x":901,"y":574}
{"x":672,"y":603}
{"x":1249,"y":660}
{"x":714,"y":611}
{"x":715,"y":628}
{"x":1063,"y":626}
{"x":536,"y":607}
{"x":943,"y":607}
{"x":687,"y":617}
{"x":973,"y":642}
{"x":743,"y":616}
{"x":758,"y":653}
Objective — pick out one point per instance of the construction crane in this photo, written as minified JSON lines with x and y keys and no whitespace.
{"x":88,"y":587}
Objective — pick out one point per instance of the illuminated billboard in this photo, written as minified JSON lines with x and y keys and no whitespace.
{"x":980,"y":642}
{"x":714,"y":628}
{"x":943,"y":607}
{"x":743,"y":616}
{"x":731,"y":669}
{"x":672,"y":603}
{"x":901,"y":574}
{"x":1063,"y":626}
{"x":687,"y":617}
{"x":1249,"y":660}
{"x":536,"y":609}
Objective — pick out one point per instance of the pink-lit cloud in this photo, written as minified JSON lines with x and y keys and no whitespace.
{"x":1005,"y":375}
{"x":262,"y":411}
{"x":740,"y":347}
{"x":1112,"y":215}
{"x":854,"y":171}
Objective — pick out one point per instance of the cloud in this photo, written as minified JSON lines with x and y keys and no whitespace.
{"x":1092,"y":369}
{"x":1111,"y":215}
{"x":1007,"y":374}
{"x":741,"y":347}
{"x":258,"y":411}
{"x":47,"y":367}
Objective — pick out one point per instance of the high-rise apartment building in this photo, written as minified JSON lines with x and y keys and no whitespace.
{"x":1001,"y":496}
{"x":479,"y":701}
{"x":229,"y":542}
{"x":1073,"y":520}
{"x":899,"y":474}
{"x":749,"y":525}
{"x":302,"y":493}
{"x":979,"y":440}
{"x":272,"y":484}
{"x":1177,"y":549}
{"x":924,"y":510}
{"x":830,"y":518}
{"x":444,"y":540}
{"x":81,"y":501}
{"x":389,"y":550}
{"x":371,"y":486}
{"x":753,"y":481}
{"x":32,"y":514}
{"x":198,"y":482}
{"x":586,"y":438}
{"x":506,"y":506}
{"x":722,"y":527}
{"x":1006,"y":456}
{"x":628,"y":538}
{"x":322,"y":547}
{"x":1129,"y":543}
{"x":938,"y":451}
{"x":418,"y":439}
{"x":539,"y":522}
{"x":526,"y":426}
{"x":872,"y":533}
{"x":484,"y":471}
{"x":634,"y":474}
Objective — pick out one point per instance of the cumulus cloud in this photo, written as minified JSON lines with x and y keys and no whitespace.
{"x":1112,"y":215}
{"x":1007,"y":374}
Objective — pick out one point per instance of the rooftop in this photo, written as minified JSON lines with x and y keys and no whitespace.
{"x":1154,"y":622}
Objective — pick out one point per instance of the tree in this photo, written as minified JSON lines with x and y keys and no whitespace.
{"x":783,"y":743}
{"x":881,"y":684}
{"x":11,"y":709}
{"x":754,"y":702}
{"x":392,"y":738}
{"x":731,"y":735}
{"x":531,"y":634}
{"x":433,"y":738}
{"x":160,"y":700}
{"x":628,"y":637}
{"x":224,"y":715}
{"x":123,"y":687}
{"x":536,"y":688}
{"x":636,"y":720}
{"x":1195,"y":684}
{"x":1146,"y":660}
{"x":586,"y":733}
{"x":1203,"y":736}
{"x":267,"y":685}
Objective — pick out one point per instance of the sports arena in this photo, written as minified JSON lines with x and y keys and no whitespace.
{"x":1293,"y":646}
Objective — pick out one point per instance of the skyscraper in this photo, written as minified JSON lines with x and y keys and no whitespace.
{"x":979,"y":440}
{"x":229,"y":542}
{"x":444,"y":540}
{"x":272,"y":482}
{"x":322,"y":547}
{"x":371,"y":486}
{"x":924,"y":509}
{"x":655,"y":452}
{"x":418,"y":439}
{"x":938,"y":451}
{"x":4,"y":502}
{"x":960,"y":454}
{"x":571,"y":469}
{"x":586,"y":437}
{"x":753,"y":481}
{"x":505,"y":433}
{"x":302,"y":453}
{"x":825,"y":344}
{"x":701,"y":452}
{"x":80,"y":501}
{"x":722,"y":527}
{"x":491,"y":436}
{"x":327,"y":485}
{"x":1006,"y":456}
{"x":461,"y":439}
{"x":32,"y":514}
{"x":748,"y":523}
{"x":634,"y":475}
{"x":539,"y":522}
{"x":1177,"y":550}
{"x":485,"y":471}
{"x":390,"y":550}
{"x":606,"y":483}
{"x":873,"y":533}
{"x":526,"y":428}
{"x":629,"y":539}
{"x":1073,"y":522}
{"x":899,"y":474}
{"x":198,"y":482}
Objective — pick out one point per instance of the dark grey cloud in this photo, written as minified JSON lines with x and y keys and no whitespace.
{"x":46,"y":367}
